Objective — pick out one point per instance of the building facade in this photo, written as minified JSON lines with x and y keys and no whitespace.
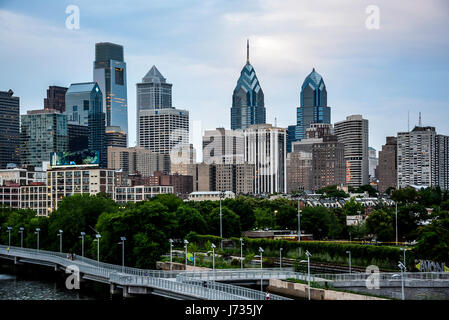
{"x":442,"y":161}
{"x":123,"y":195}
{"x":136,"y":160}
{"x":84,"y":108}
{"x":373,"y":161}
{"x":115,"y":137}
{"x":265,"y":148}
{"x":353,"y":133}
{"x":9,"y":128}
{"x":42,"y":132}
{"x":221,"y":146}
{"x":55,"y":98}
{"x":66,"y":181}
{"x":248,"y":106}
{"x":110,"y":74}
{"x":387,"y":167}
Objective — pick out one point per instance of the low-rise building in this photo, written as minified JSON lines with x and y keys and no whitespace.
{"x":139,"y":193}
{"x":211,"y":195}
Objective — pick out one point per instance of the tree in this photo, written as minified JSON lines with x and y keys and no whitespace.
{"x":433,"y":240}
{"x":230,"y":223}
{"x":315,"y":220}
{"x":264,"y":218}
{"x":352,"y":208}
{"x":189,"y":219}
{"x":171,"y":201}
{"x":332,"y":192}
{"x":244,"y":208}
{"x":409,"y":218}
{"x":430,"y":196}
{"x":380,"y":223}
{"x":406,"y":195}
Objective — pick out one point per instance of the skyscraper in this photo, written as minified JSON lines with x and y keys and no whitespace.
{"x":9,"y":128}
{"x":42,"y":132}
{"x":372,"y":163}
{"x":387,"y":168}
{"x":160,"y":127}
{"x":55,"y":98}
{"x":442,"y":161}
{"x":84,"y":108}
{"x":265,"y":148}
{"x":110,"y":74}
{"x":353,"y":133}
{"x":248,"y":106}
{"x":312,"y":107}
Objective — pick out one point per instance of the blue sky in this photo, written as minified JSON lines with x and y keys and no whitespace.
{"x":200,"y":47}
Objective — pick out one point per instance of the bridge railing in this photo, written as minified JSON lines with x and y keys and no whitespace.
{"x":387,"y":276}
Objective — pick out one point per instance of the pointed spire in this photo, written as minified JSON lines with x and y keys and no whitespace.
{"x":247,"y":50}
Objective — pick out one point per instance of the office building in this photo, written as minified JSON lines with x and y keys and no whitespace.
{"x":248,"y":106}
{"x":69,"y":180}
{"x":55,"y":98}
{"x":312,"y":108}
{"x":42,"y":132}
{"x":9,"y":128}
{"x":387,"y":167}
{"x":84,"y":108}
{"x":265,"y":148}
{"x":442,"y":161}
{"x":221,"y":146}
{"x":110,"y":74}
{"x":78,"y":137}
{"x":136,"y":160}
{"x":353,"y":133}
{"x":115,"y":137}
{"x":372,"y":163}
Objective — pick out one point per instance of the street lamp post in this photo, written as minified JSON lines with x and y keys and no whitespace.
{"x":396,"y":204}
{"x":21,"y":236}
{"x":60,"y":240}
{"x":186,"y":243}
{"x":299,"y":222}
{"x":9,"y":236}
{"x":221,"y":222}
{"x":402,"y":267}
{"x":213,"y":256}
{"x":261,"y":269}
{"x":171,"y":248}
{"x":82,"y":243}
{"x":98,"y":236}
{"x":122,"y":242}
{"x":349,"y":252}
{"x":405,"y":265}
{"x":241,"y":253}
{"x":308,"y":269}
{"x":280,"y":258}
{"x":194,"y":261}
{"x":37,"y":232}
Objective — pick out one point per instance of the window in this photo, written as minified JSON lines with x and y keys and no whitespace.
{"x":86,"y":105}
{"x":119,"y":76}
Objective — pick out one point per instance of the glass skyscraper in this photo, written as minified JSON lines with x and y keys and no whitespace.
{"x":247,"y":100}
{"x":110,"y":74}
{"x":84,"y":107}
{"x":154,"y":92}
{"x":313,"y":107}
{"x":9,"y":128}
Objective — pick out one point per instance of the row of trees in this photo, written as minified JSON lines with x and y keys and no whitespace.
{"x":148,"y":225}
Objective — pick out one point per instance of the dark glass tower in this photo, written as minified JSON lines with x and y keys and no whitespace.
{"x":9,"y":128}
{"x":55,"y":98}
{"x":110,"y":74}
{"x":247,"y":100}
{"x":313,"y":104}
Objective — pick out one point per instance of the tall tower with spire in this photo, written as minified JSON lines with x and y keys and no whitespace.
{"x":247,"y":100}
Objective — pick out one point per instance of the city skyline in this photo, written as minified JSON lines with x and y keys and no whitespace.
{"x":386,"y":69}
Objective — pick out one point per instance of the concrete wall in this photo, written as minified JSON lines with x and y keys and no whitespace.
{"x":300,"y":290}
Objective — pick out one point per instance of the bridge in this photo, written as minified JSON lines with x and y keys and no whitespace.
{"x":170,"y":284}
{"x":219,"y":284}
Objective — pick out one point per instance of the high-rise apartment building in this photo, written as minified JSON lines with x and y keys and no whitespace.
{"x":442,"y":161}
{"x":160,"y":130}
{"x":387,"y":167}
{"x":248,"y":105}
{"x":42,"y":132}
{"x":84,"y":108}
{"x":353,"y":133}
{"x":110,"y":74}
{"x":55,"y":98}
{"x":422,"y":158}
{"x":265,"y":148}
{"x":115,"y":137}
{"x":221,"y":146}
{"x":136,"y":160}
{"x":372,"y":163}
{"x":9,"y":128}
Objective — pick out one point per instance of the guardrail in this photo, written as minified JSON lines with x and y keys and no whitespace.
{"x":384,"y":276}
{"x":163,"y":280}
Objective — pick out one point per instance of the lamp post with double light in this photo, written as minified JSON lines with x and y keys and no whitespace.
{"x":38,"y":230}
{"x":308,"y":269}
{"x":261,"y":268}
{"x":21,"y":236}
{"x":241,"y":253}
{"x":8,"y":229}
{"x":186,"y":243}
{"x":98,"y":236}
{"x":60,"y":239}
{"x":122,"y":242}
{"x":82,"y":234}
